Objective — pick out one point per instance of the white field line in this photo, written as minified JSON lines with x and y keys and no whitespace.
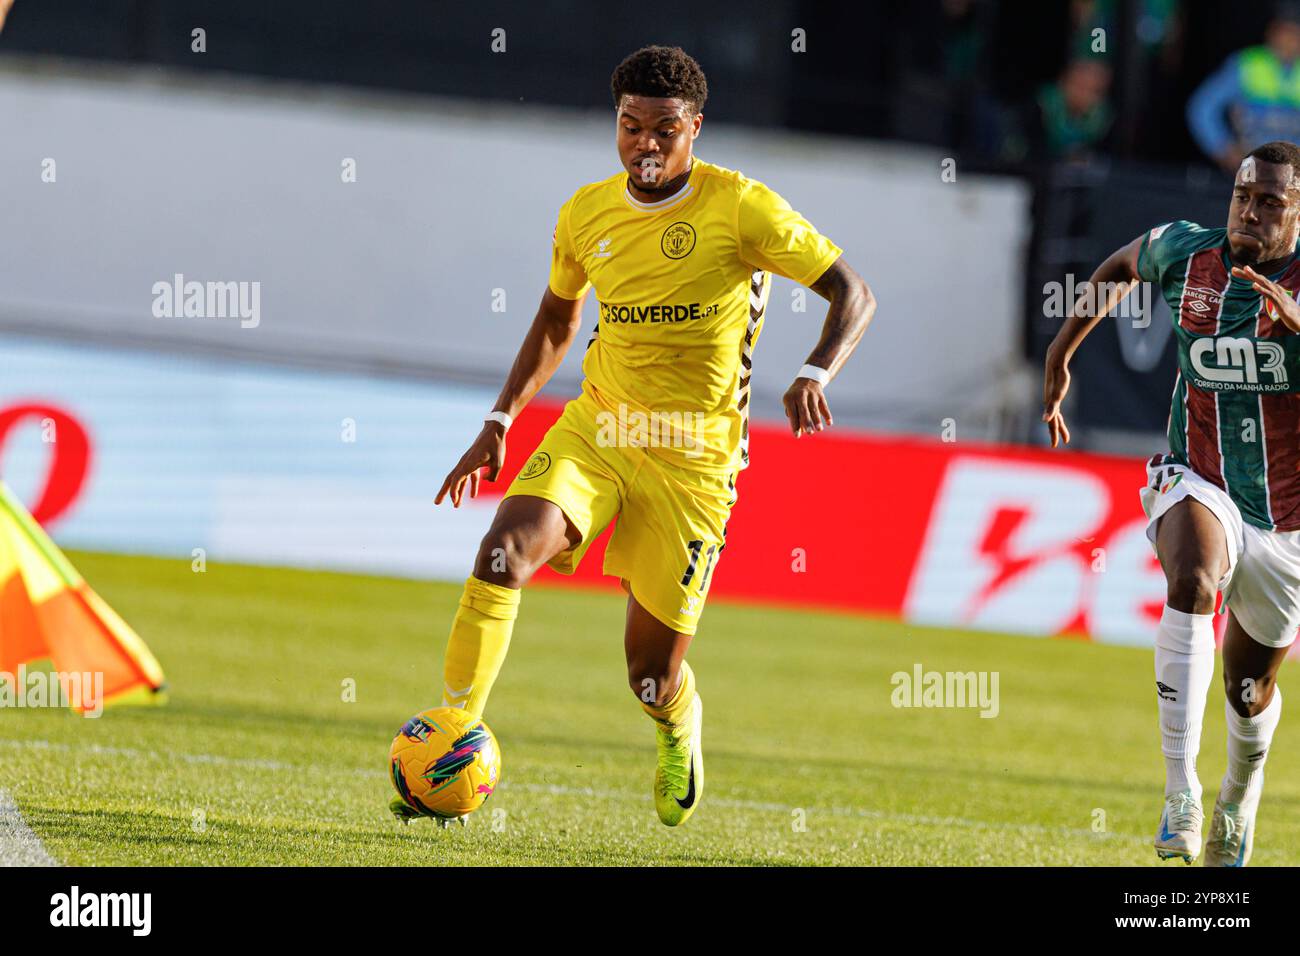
{"x":19,"y":846}
{"x":756,"y":806}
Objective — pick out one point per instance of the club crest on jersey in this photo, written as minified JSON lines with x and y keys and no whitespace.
{"x":1270,"y":309}
{"x":678,"y":240}
{"x":537,"y":465}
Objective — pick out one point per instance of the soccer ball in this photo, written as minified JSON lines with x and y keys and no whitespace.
{"x":445,"y":763}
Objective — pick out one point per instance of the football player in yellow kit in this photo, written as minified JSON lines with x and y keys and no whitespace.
{"x":680,"y":253}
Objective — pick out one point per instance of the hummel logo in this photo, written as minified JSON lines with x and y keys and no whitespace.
{"x":1165,"y":692}
{"x":451,"y":697}
{"x":604,"y":252}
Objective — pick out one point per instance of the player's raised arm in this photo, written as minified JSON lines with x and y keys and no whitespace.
{"x":851,"y":307}
{"x":1107,"y":287}
{"x":544,"y":347}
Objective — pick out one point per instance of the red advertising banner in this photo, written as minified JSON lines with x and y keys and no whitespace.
{"x":953,"y":534}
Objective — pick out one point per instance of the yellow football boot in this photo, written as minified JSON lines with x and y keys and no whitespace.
{"x":679,"y":778}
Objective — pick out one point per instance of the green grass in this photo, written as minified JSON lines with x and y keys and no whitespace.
{"x":257,"y":759}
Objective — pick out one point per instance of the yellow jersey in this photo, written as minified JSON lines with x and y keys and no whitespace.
{"x":682,"y":286}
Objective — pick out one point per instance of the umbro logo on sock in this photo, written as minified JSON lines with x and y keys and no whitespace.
{"x":1165,"y":692}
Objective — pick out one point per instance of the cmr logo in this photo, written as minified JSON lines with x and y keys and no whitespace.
{"x":74,"y":908}
{"x":1227,"y":360}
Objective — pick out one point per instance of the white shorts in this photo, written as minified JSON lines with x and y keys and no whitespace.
{"x":1262,"y":584}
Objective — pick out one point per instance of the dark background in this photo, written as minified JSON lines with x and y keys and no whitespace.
{"x":953,"y":74}
{"x":874,"y":69}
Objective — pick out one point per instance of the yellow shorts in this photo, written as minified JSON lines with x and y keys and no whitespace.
{"x":671,"y":521}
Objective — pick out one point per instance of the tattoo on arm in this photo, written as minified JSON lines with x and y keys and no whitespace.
{"x":851,"y":307}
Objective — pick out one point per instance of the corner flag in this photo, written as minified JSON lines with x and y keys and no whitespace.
{"x":48,"y":611}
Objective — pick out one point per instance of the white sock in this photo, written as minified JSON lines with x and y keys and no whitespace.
{"x":1248,"y":742}
{"x":1184,"y":667}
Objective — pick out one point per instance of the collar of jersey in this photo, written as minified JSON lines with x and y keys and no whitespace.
{"x":1228,"y":264}
{"x":672,"y":201}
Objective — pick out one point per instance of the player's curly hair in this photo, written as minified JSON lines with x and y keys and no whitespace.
{"x":660,"y":71}
{"x":1281,"y":153}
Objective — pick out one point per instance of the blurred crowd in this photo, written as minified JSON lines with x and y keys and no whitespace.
{"x":1164,"y":80}
{"x":1253,"y":97}
{"x":1003,"y":82}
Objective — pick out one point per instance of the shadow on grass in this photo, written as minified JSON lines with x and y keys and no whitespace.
{"x":159,"y":839}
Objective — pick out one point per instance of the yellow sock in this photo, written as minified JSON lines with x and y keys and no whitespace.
{"x":675,"y":713}
{"x":476,"y":649}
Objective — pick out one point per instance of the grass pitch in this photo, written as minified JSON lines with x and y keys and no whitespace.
{"x":259,"y":759}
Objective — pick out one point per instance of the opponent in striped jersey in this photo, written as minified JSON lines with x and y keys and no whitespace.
{"x":1236,"y":405}
{"x":1223,"y":506}
{"x":679,"y":253}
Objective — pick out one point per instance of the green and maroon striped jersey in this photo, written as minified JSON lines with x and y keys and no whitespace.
{"x":1235,"y":419}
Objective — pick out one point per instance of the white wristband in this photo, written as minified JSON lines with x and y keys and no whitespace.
{"x":818,"y":375}
{"x":501,"y":418}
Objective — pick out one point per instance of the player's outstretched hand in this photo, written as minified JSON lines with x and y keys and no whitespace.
{"x":1056,"y":382}
{"x":1284,"y":308}
{"x":488,"y":451}
{"x":806,"y":408}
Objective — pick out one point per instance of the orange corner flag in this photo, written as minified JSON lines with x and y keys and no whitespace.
{"x":48,"y":611}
